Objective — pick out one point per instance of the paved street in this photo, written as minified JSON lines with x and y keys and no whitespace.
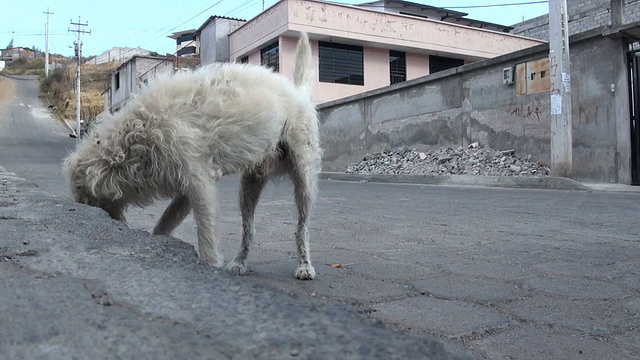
{"x":31,"y":142}
{"x":492,"y":273}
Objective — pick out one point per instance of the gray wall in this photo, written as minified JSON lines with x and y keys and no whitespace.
{"x":132,"y":74}
{"x":470,"y":103}
{"x":584,"y":15}
{"x":117,"y":54}
{"x":214,"y":40}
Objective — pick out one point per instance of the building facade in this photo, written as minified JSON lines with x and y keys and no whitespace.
{"x":213,"y":37}
{"x":187,"y":43}
{"x":16,"y":53}
{"x":369,"y":46}
{"x":130,"y":76}
{"x":584,"y":16}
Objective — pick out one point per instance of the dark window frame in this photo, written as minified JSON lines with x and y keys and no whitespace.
{"x":187,"y":50}
{"x":116,"y":79}
{"x":244,"y":60}
{"x":186,"y":37}
{"x":340,"y":63}
{"x":441,"y":63}
{"x":397,"y":66}
{"x":270,"y":56}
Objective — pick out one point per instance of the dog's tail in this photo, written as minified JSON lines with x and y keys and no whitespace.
{"x":304,"y":71}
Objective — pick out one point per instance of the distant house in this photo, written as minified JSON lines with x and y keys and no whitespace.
{"x":16,"y":53}
{"x":187,"y":43}
{"x":214,"y":38}
{"x":130,"y":76}
{"x":210,"y":42}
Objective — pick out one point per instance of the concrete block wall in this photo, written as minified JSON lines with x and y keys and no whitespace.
{"x":468,"y":104}
{"x":584,"y":15}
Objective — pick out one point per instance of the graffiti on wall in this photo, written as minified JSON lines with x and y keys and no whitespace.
{"x":531,"y":111}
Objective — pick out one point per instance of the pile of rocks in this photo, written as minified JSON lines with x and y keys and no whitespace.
{"x":473,"y":160}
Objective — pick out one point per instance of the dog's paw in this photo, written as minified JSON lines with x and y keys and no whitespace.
{"x":305,"y":272}
{"x":237,"y":268}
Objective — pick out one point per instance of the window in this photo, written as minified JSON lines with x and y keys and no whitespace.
{"x":342,"y":64}
{"x":116,"y":80}
{"x":244,"y":60}
{"x":441,"y":63}
{"x":397,"y":66}
{"x":187,"y":50}
{"x":186,"y":37}
{"x":269,"y":56}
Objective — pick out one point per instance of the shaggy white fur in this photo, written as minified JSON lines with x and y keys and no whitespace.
{"x":184,"y":131}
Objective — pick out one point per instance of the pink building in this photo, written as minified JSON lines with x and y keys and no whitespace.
{"x":368,"y":46}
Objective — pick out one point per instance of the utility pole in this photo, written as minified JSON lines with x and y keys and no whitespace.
{"x":78,"y":50}
{"x":46,"y":44}
{"x":559,"y":61}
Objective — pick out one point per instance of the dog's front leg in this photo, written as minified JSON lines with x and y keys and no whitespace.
{"x":173,"y":215}
{"x":204,"y":202}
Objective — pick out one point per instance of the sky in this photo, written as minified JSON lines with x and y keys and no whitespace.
{"x":147,"y":23}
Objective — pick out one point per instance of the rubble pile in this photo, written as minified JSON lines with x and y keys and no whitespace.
{"x":473,"y":160}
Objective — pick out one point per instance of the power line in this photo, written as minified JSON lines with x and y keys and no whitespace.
{"x":168,"y":14}
{"x":200,"y":13}
{"x":156,"y":38}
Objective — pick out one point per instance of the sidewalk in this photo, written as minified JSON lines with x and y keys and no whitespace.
{"x":550,"y":183}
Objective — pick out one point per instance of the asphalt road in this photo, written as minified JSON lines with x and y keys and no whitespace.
{"x":492,"y":273}
{"x":31,"y":142}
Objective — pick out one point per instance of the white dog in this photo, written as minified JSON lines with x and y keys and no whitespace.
{"x":182,"y":132}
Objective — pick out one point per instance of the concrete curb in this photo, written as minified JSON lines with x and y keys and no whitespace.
{"x":548,"y":183}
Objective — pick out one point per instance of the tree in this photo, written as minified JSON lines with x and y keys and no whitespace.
{"x":10,"y":46}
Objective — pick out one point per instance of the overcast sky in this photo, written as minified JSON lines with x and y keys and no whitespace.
{"x":147,"y":23}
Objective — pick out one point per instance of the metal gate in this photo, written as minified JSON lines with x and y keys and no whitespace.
{"x":634,"y":101}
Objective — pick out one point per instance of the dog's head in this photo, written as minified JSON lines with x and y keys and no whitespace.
{"x":91,"y":179}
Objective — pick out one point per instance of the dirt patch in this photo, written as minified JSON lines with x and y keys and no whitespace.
{"x":6,"y":90}
{"x":60,"y":89}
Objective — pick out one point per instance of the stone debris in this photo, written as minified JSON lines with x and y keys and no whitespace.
{"x":472,"y":160}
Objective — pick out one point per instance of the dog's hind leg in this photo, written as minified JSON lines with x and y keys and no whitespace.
{"x":175,"y":213}
{"x":251,"y":188}
{"x":203,"y":199}
{"x":304,"y":184}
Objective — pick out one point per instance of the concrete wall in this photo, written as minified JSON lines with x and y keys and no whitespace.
{"x":132,"y":75}
{"x":584,"y":15}
{"x":117,"y":54}
{"x":122,"y":85}
{"x":460,"y":106}
{"x":214,"y":40}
